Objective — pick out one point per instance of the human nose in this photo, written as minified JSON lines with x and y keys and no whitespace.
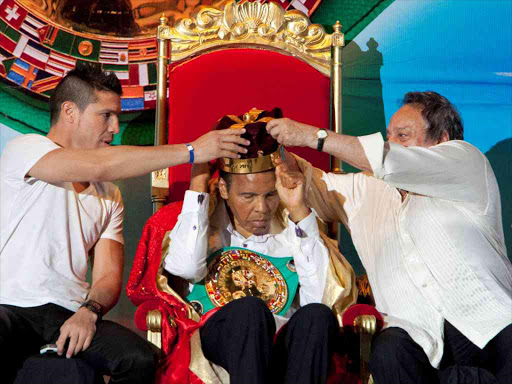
{"x":114,"y":125}
{"x":262,"y":205}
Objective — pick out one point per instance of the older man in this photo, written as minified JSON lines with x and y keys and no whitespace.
{"x":427,"y":226}
{"x":255,"y":265}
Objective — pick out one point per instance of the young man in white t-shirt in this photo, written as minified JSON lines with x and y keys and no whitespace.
{"x":57,"y":209}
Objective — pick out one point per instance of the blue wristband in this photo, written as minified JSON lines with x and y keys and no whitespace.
{"x":191,"y":153}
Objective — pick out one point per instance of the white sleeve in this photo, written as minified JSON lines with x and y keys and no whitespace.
{"x":114,"y":228}
{"x":21,"y":154}
{"x":311,"y":258}
{"x":454,"y":170}
{"x":188,"y":248}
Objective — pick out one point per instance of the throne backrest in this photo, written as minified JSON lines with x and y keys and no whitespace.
{"x":246,"y":55}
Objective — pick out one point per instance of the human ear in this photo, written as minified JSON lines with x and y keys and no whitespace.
{"x":68,"y":111}
{"x":223,"y":188}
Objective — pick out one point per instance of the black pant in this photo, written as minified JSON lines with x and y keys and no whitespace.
{"x":239,"y":339}
{"x":397,"y":359}
{"x":115,"y":351}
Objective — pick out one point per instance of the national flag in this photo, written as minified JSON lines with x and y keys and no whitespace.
{"x":59,"y":64}
{"x":4,"y":55}
{"x":59,"y":40}
{"x":31,"y":25}
{"x":114,"y":52}
{"x":85,"y":48}
{"x":22,"y":73}
{"x":6,"y":43}
{"x":35,"y":54}
{"x":143,"y":50}
{"x":139,"y":74}
{"x":20,"y":46}
{"x":124,"y":77}
{"x":45,"y":82}
{"x":135,"y":101}
{"x":150,"y":97}
{"x":12,"y":13}
{"x":47,"y":34}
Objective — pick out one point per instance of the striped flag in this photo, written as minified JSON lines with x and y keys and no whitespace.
{"x":12,"y":13}
{"x":22,"y":73}
{"x":59,"y":64}
{"x":45,"y":82}
{"x":114,"y":52}
{"x":6,"y":43}
{"x":142,"y":74}
{"x":150,"y":97}
{"x":143,"y":50}
{"x":35,"y":54}
{"x":133,"y":98}
{"x":31,"y":25}
{"x":124,"y":77}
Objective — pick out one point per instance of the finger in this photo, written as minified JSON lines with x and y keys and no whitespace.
{"x":61,"y":342}
{"x":229,"y":154}
{"x":231,"y":147}
{"x":79,"y":343}
{"x":87,"y":342}
{"x":232,"y":131}
{"x":73,"y":339}
{"x":235,"y":139}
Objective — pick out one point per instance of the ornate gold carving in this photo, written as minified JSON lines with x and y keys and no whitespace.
{"x":154,"y":324}
{"x":251,"y":23}
{"x":365,"y":324}
{"x":160,"y":179}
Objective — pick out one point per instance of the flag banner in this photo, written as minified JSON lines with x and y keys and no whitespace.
{"x":12,"y":13}
{"x":44,"y":82}
{"x":30,"y":27}
{"x":114,"y":52}
{"x":86,"y":49}
{"x":132,"y":104}
{"x":59,"y":64}
{"x":35,"y":54}
{"x":22,"y":73}
{"x":144,"y":50}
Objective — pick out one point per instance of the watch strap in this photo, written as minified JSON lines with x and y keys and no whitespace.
{"x":320,"y":143}
{"x":94,"y":307}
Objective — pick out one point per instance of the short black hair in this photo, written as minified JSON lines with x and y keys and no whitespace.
{"x":439,"y":113}
{"x":80,"y":86}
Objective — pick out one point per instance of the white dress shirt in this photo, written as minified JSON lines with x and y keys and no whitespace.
{"x":439,"y":254}
{"x":188,"y":249}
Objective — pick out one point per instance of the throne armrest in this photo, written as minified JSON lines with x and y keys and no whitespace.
{"x":151,"y":316}
{"x":364,"y":320}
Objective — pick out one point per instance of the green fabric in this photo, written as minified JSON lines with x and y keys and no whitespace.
{"x":291,"y":277}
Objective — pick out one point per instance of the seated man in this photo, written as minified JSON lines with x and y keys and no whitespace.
{"x":264,"y":273}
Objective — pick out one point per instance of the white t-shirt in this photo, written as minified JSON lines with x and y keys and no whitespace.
{"x":48,"y":230}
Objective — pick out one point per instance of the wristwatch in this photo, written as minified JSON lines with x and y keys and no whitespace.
{"x":321,"y":134}
{"x":93,"y":306}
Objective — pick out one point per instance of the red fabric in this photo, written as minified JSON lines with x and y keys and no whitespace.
{"x":232,"y":81}
{"x":141,"y":289}
{"x":361,"y":309}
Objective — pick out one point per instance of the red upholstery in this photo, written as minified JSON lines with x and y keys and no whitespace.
{"x":232,"y":81}
{"x":361,"y":309}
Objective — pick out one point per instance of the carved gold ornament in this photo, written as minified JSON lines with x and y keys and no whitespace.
{"x":251,"y":23}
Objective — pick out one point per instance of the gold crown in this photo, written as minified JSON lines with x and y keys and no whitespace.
{"x":255,"y":164}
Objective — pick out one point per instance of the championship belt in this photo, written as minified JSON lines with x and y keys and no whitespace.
{"x":234,"y":273}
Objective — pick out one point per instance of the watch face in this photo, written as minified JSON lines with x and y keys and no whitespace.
{"x":321,"y":134}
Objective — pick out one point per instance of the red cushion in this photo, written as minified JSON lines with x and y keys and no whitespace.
{"x":232,"y":81}
{"x":361,"y":309}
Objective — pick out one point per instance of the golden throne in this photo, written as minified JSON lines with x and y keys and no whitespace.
{"x":219,"y":62}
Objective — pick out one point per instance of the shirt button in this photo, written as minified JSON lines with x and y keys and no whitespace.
{"x":244,"y":245}
{"x":194,"y":227}
{"x":424,"y":285}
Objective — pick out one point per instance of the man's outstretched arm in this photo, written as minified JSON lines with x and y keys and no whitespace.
{"x":113,"y":163}
{"x":346,"y":148}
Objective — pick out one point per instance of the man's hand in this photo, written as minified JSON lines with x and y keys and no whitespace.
{"x":290,"y":187}
{"x":292,"y":133}
{"x":199,"y":177}
{"x":79,"y":329}
{"x":221,"y":143}
{"x":289,"y":164}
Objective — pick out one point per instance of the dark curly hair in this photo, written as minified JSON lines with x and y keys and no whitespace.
{"x":80,"y":86}
{"x":439,"y":114}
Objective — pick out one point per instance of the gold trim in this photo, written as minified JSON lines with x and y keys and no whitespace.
{"x":252,"y":23}
{"x":154,"y":324}
{"x":254,"y":165}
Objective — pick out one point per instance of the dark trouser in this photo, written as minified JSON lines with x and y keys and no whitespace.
{"x":114,"y":351}
{"x":239,"y":339}
{"x":397,"y":359}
